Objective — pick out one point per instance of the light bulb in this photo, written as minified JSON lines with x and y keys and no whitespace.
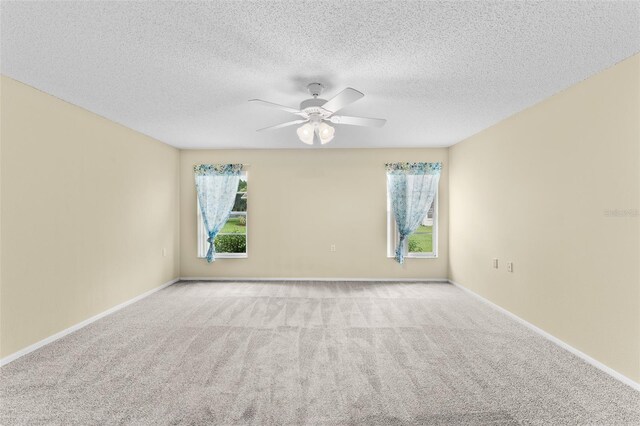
{"x":325,"y":132}
{"x":305,"y":133}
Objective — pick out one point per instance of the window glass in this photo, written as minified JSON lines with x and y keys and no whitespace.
{"x":231,"y":241}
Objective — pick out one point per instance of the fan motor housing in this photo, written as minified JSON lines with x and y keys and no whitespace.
{"x":312,"y":108}
{"x":312,"y":103}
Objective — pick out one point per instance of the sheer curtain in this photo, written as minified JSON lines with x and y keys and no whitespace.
{"x":412,"y":188}
{"x":216,"y":187}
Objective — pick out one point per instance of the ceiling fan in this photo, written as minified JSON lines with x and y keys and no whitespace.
{"x":316,"y":112}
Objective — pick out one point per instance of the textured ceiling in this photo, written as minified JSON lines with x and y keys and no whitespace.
{"x":437,"y":71}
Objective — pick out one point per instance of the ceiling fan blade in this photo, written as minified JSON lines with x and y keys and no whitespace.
{"x":280,"y":126}
{"x":357,"y":121}
{"x":271,"y":104}
{"x":342,"y":99}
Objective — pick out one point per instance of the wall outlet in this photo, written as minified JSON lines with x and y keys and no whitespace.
{"x":164,"y":252}
{"x":509,"y":266}
{"x":495,"y":263}
{"x":332,"y":248}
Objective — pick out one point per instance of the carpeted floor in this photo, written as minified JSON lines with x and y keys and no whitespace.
{"x":309,"y":353}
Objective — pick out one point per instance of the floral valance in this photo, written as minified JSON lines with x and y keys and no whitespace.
{"x":413,"y":168}
{"x":217,"y":169}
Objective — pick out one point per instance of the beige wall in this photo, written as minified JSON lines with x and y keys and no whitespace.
{"x":87,"y":207}
{"x":301,"y":202}
{"x":534,"y":189}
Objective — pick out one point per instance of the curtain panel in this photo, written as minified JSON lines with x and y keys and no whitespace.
{"x":412,"y":188}
{"x":216,"y":187}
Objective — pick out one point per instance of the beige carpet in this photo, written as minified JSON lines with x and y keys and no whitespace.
{"x":313,"y":353}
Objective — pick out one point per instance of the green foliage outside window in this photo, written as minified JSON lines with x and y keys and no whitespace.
{"x":230,"y":244}
{"x":422,"y":240}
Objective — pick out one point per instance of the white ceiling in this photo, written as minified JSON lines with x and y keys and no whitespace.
{"x":437,"y":71}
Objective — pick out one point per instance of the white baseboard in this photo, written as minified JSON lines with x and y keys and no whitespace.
{"x":610,"y":371}
{"x":397,"y":280}
{"x":6,"y":360}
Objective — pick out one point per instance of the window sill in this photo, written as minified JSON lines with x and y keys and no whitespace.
{"x":228,"y":256}
{"x":416,"y":256}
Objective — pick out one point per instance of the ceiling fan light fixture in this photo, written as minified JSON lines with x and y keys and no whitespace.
{"x":316,"y":113}
{"x":305,"y":133}
{"x":325,"y":133}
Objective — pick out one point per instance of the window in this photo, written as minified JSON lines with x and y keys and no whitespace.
{"x":423,"y":242}
{"x":231,"y":241}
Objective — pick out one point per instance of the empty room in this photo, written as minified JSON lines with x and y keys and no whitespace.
{"x":319,"y":213}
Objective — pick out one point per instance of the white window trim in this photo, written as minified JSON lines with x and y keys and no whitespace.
{"x":393,"y":237}
{"x":203,"y":244}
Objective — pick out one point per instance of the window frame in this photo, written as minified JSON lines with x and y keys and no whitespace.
{"x":203,"y":244}
{"x":393,"y":236}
